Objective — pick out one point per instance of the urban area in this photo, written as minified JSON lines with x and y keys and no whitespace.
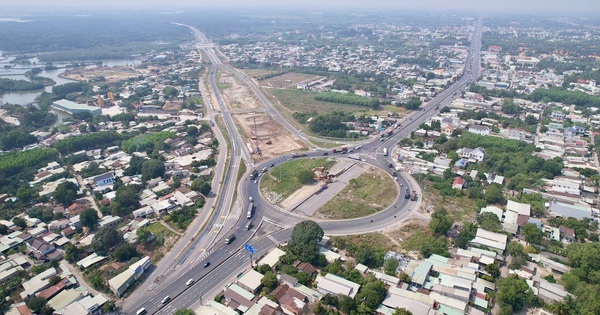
{"x":382,"y":164}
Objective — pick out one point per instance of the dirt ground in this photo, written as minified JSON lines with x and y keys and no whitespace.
{"x":111,"y":74}
{"x":289,"y":80}
{"x":257,"y":72}
{"x":236,"y":94}
{"x":172,"y":105}
{"x":273,"y":139}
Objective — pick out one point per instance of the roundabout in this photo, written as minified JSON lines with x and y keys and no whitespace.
{"x":396,"y":211}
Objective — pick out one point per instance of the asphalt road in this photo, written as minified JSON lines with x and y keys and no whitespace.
{"x":227,"y":259}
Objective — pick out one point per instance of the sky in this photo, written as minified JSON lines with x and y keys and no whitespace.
{"x":591,"y":7}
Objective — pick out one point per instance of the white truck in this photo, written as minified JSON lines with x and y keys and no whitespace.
{"x":385,"y":153}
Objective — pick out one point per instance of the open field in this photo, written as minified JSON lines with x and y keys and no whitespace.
{"x":375,"y":239}
{"x":289,"y":80}
{"x":110,"y":74}
{"x":257,"y":72}
{"x":273,"y":139}
{"x":237,"y":95}
{"x":283,"y":179}
{"x":162,"y":245}
{"x":369,"y":193}
{"x":460,"y":209}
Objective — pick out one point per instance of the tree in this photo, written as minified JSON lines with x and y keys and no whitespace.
{"x":509,"y":107}
{"x":489,"y":221}
{"x":402,"y":311}
{"x":143,"y":235}
{"x":514,"y":293}
{"x":126,"y":200}
{"x":494,"y":194}
{"x":372,"y":293}
{"x":440,"y":222}
{"x":185,"y":311}
{"x":192,"y":131}
{"x":205,"y":189}
{"x":89,"y":218}
{"x":82,"y":128}
{"x":65,"y":193}
{"x":347,"y":304}
{"x":533,"y":234}
{"x":35,"y":304}
{"x":105,"y":239}
{"x":493,"y":270}
{"x":465,"y":235}
{"x":72,"y":253}
{"x":110,"y":306}
{"x":3,"y":229}
{"x":264,"y":268}
{"x":390,"y":266}
{"x":369,"y":255}
{"x":170,"y":92}
{"x":54,"y":280}
{"x":125,"y":252}
{"x":306,"y":177}
{"x":269,"y":280}
{"x":152,"y":169}
{"x":305,"y":238}
{"x":20,"y":222}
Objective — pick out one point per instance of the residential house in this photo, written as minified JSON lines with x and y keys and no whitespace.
{"x":480,"y":130}
{"x":491,"y":240}
{"x":337,"y":285}
{"x":122,"y":281}
{"x":250,"y":281}
{"x":477,"y":154}
{"x":567,"y":234}
{"x":105,"y":179}
{"x":39,"y":248}
{"x":458,"y":183}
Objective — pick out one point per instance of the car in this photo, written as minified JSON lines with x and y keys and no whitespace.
{"x":206,"y":264}
{"x":141,"y":311}
{"x":248,"y":225}
{"x":272,"y":164}
{"x":230,"y":239}
{"x":189,"y":282}
{"x":325,"y":153}
{"x":165,"y":299}
{"x":255,"y":181}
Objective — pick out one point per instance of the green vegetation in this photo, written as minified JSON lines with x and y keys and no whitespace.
{"x":304,"y":242}
{"x":90,"y":141}
{"x":10,"y":85}
{"x":305,"y":102}
{"x":147,"y":142}
{"x":369,"y":193}
{"x":18,"y":167}
{"x":328,"y":125}
{"x":340,"y":98}
{"x":514,"y":294}
{"x":284,"y":179}
{"x":68,"y":89}
{"x":511,"y":158}
{"x":183,"y":217}
{"x":105,"y":240}
{"x":427,"y":244}
{"x":560,"y":95}
{"x":440,"y":222}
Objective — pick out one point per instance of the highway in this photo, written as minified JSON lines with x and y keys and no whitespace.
{"x":227,"y":260}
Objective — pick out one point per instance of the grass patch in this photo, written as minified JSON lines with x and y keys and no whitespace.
{"x":304,"y":102}
{"x":283,"y":179}
{"x":375,"y":239}
{"x":224,"y":131}
{"x":460,"y":209}
{"x":363,"y":196}
{"x":241,"y":170}
{"x":159,"y":229}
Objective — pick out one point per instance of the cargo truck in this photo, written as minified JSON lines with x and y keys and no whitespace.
{"x":385,"y":153}
{"x":407,"y":194}
{"x":298,"y":154}
{"x":413,"y":197}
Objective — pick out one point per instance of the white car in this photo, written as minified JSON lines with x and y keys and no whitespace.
{"x":189,"y":282}
{"x":165,"y":299}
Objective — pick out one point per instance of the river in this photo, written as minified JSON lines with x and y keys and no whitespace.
{"x":18,"y":73}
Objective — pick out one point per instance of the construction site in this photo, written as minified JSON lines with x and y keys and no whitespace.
{"x":265,"y":138}
{"x":101,"y":74}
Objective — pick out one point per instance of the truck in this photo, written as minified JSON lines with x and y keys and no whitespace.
{"x":407,"y":194}
{"x":413,"y":197}
{"x":250,"y":210}
{"x":340,"y":150}
{"x":298,"y":154}
{"x":253,"y":175}
{"x":385,"y":152}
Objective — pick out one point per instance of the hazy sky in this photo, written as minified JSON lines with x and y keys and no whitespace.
{"x":524,"y":6}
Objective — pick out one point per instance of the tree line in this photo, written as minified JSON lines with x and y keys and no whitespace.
{"x":341,"y":98}
{"x":10,"y":85}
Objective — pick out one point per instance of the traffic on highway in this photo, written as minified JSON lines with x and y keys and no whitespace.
{"x":226,"y":256}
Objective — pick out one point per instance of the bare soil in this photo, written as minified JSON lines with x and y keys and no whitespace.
{"x":237,"y":95}
{"x":289,"y":80}
{"x":111,"y":74}
{"x":273,"y":139}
